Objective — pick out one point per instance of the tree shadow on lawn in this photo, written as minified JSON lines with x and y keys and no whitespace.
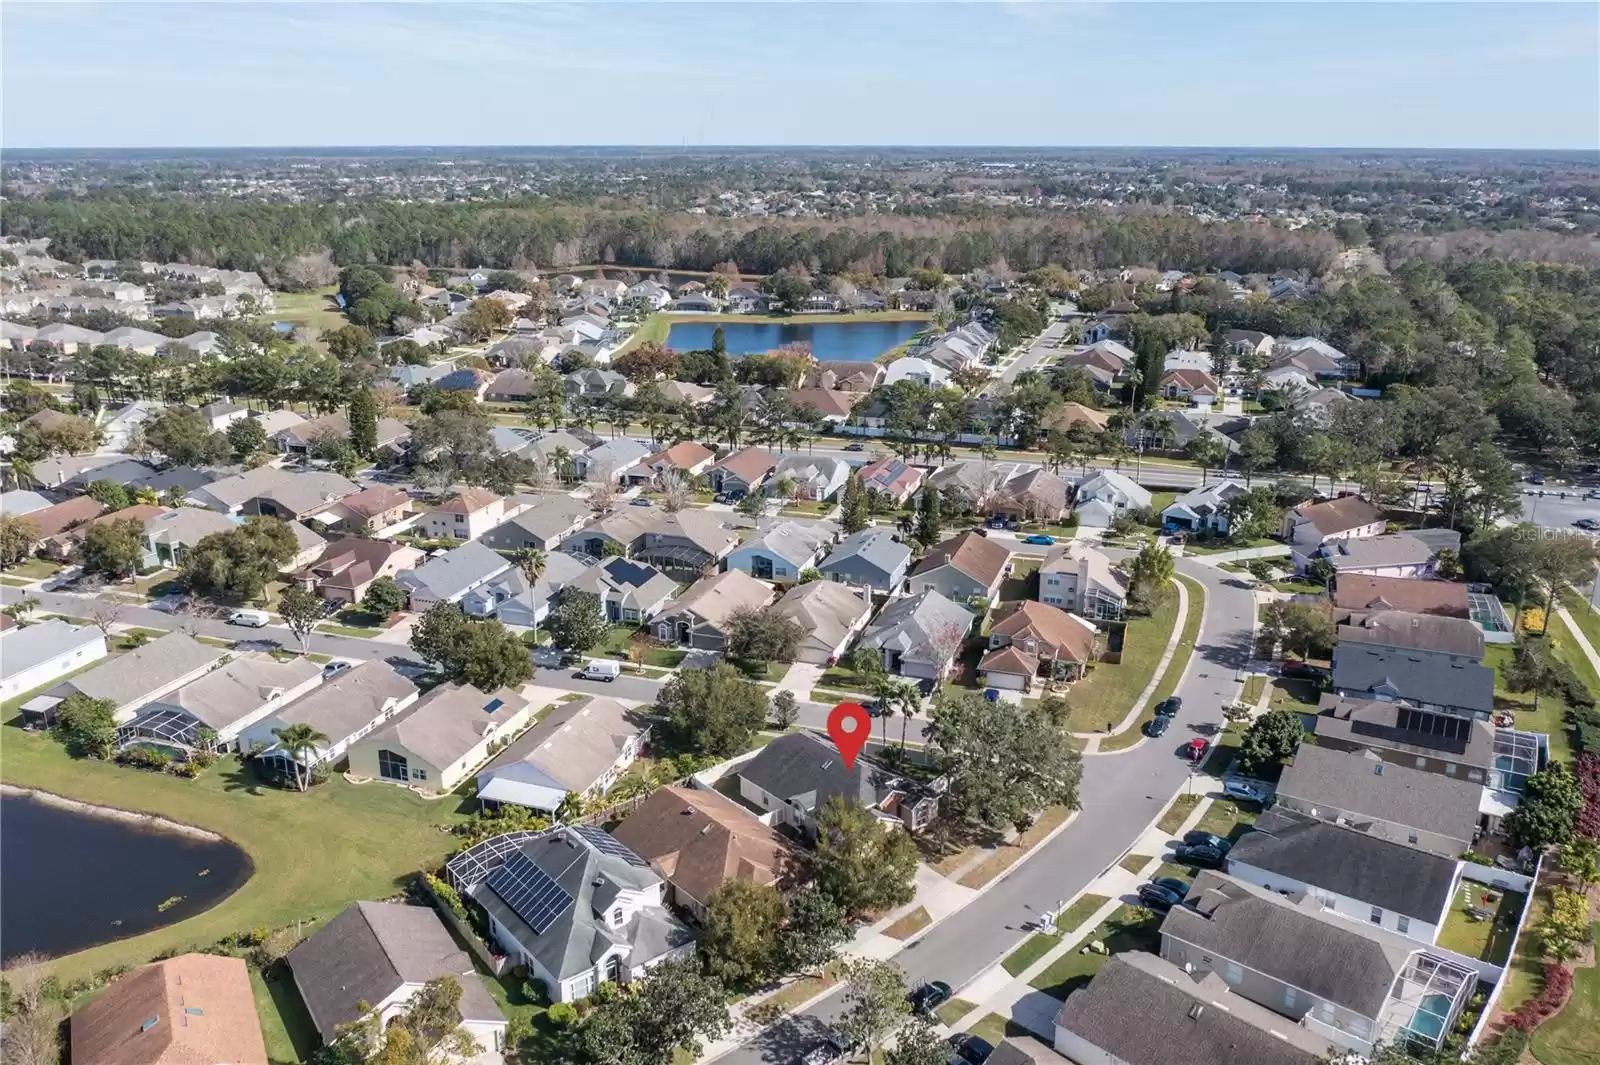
{"x":297,"y":1022}
{"x":1130,"y":928}
{"x":948,"y":837}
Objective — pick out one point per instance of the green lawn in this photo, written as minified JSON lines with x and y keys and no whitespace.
{"x":1033,"y":948}
{"x":1254,"y":685}
{"x":315,"y":311}
{"x":1173,"y":674}
{"x":996,"y":1028}
{"x":1103,"y":698}
{"x":1487,"y":940}
{"x":290,"y":1033}
{"x":1551,"y":715}
{"x":1567,"y":649}
{"x":1134,"y":863}
{"x":347,"y":630}
{"x":1587,"y":617}
{"x":1572,"y":1037}
{"x":1130,"y":928}
{"x":34,"y":569}
{"x":1217,"y":547}
{"x":953,"y":1010}
{"x":1294,"y":693}
{"x":1022,"y":584}
{"x":313,"y":853}
{"x":1228,"y":819}
{"x":1177,"y":813}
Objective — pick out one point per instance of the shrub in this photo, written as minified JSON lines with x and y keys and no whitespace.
{"x":1587,"y":822}
{"x":144,"y":758}
{"x":187,"y":770}
{"x":562,"y":1014}
{"x":535,"y":990}
{"x":1533,"y":619}
{"x":1557,"y":986}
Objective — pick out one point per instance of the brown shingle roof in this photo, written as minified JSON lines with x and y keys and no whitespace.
{"x":698,"y":839}
{"x":684,"y":456}
{"x":977,"y":556}
{"x":748,"y":464}
{"x":1193,"y":380}
{"x":203,"y":1010}
{"x":63,"y":516}
{"x":375,"y":500}
{"x":1335,"y":516}
{"x":1064,"y":635}
{"x":469,"y":502}
{"x":1357,"y":591}
{"x":1069,"y":414}
{"x":826,"y":401}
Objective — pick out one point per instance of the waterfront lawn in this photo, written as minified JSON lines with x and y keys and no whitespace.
{"x":313,"y":853}
{"x":286,"y":1027}
{"x":1103,"y":698}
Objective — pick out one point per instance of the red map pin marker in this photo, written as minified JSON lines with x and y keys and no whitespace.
{"x":849,"y":725}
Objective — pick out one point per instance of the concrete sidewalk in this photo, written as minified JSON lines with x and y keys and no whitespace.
{"x":1092,"y":739}
{"x":1579,"y":636}
{"x":1244,"y":554}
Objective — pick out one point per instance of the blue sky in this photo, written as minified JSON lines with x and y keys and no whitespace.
{"x":1430,"y":75}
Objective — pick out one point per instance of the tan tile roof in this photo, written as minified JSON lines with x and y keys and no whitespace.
{"x":1194,"y":380}
{"x":977,"y":556}
{"x":684,"y":456}
{"x":748,"y":464}
{"x":699,"y":839}
{"x":1069,"y":414}
{"x":469,"y":502}
{"x":204,"y":1014}
{"x":1066,"y":636}
{"x":826,"y":401}
{"x":715,"y":598}
{"x":1358,"y":591}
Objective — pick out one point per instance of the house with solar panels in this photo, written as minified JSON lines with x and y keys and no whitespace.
{"x":573,"y":905}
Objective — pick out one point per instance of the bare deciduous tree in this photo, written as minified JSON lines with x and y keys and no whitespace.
{"x":105,"y":615}
{"x":675,"y":491}
{"x":32,"y":1031}
{"x":948,"y":637}
{"x":602,"y":490}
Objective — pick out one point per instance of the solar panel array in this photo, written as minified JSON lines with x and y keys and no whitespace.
{"x":530,"y":892}
{"x":607,"y":844}
{"x":1432,"y":730}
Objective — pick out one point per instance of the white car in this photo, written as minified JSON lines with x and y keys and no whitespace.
{"x":250,"y":619}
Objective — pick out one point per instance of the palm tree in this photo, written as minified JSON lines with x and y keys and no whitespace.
{"x":907,"y":698}
{"x":298,"y":740}
{"x":561,"y":458}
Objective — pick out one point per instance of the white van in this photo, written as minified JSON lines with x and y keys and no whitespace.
{"x":251,"y":619}
{"x":598,"y":669}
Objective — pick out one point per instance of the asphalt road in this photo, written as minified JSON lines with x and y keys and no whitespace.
{"x":1041,"y":349}
{"x":1554,"y":512}
{"x":1121,"y":795}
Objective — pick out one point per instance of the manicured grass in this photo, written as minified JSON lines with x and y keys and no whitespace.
{"x":15,"y":582}
{"x":214,"y":641}
{"x":1177,"y":813}
{"x":996,"y":1028}
{"x":1007,"y":854}
{"x":34,"y":569}
{"x":1487,"y":940}
{"x":1294,"y":693}
{"x":1081,"y":910}
{"x":1103,"y":698}
{"x":909,"y":925}
{"x":286,"y":1027}
{"x":1567,"y":650}
{"x":1217,"y":547}
{"x":1134,"y":863}
{"x":313,"y":853}
{"x":1173,"y":675}
{"x":1130,"y":928}
{"x":1551,"y":715}
{"x":315,"y":311}
{"x":1033,"y":948}
{"x":844,"y":677}
{"x":1525,"y":974}
{"x":1022,"y":584}
{"x":1254,"y":685}
{"x":347,"y":630}
{"x":1572,"y":1037}
{"x":1228,"y":819}
{"x":1299,"y":587}
{"x":1586,"y":616}
{"x":953,"y":1010}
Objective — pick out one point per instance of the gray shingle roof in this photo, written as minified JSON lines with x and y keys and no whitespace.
{"x":1362,"y":785}
{"x":1300,"y":944}
{"x":1145,"y":1011}
{"x":455,"y":572}
{"x":1370,"y":552}
{"x":346,"y":703}
{"x":42,"y":641}
{"x":1414,"y":675}
{"x":369,"y":951}
{"x":791,"y":541}
{"x":910,"y":624}
{"x":571,"y":748}
{"x":1377,"y":724}
{"x":807,"y":769}
{"x":1424,"y":632}
{"x":1349,"y":863}
{"x":143,"y":670}
{"x":877,"y":547}
{"x":449,"y":721}
{"x":231,"y":691}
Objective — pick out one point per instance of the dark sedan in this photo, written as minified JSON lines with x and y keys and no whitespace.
{"x":1197,"y":838}
{"x":1158,"y":897}
{"x":930,"y":996}
{"x":1157,"y":725}
{"x":972,"y":1049}
{"x":1203,"y":855}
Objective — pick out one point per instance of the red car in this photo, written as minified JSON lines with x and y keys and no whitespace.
{"x":1196,"y":749}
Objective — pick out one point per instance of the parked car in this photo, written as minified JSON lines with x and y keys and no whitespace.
{"x":333,"y":669}
{"x":930,"y":996}
{"x":1157,"y":725}
{"x":250,"y":619}
{"x":1197,"y":838}
{"x":1536,"y":477}
{"x":600,"y":669}
{"x":831,"y":1050}
{"x":855,"y":447}
{"x":1305,"y":670}
{"x":1173,"y":884}
{"x":1169,"y":707}
{"x":1205,"y":856}
{"x":1157,"y":897}
{"x":1248,"y":790}
{"x":1195,"y":750}
{"x":972,"y":1049}
{"x":1039,"y":538}
{"x":1587,"y":524}
{"x":641,"y":501}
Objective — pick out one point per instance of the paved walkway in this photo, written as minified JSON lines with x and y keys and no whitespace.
{"x":1579,"y":635}
{"x":1241,"y":555}
{"x":1092,"y":740}
{"x":1014,"y":997}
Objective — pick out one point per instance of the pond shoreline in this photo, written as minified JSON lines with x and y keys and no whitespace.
{"x":112,"y":813}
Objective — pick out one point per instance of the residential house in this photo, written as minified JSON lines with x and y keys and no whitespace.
{"x":1106,"y":495}
{"x":572,"y":905}
{"x":191,"y":1008}
{"x":700,"y":616}
{"x":1031,"y":495}
{"x":630,"y":592}
{"x":913,"y":368}
{"x":558,"y":450}
{"x":21,"y":501}
{"x":688,"y":540}
{"x":1248,"y":342}
{"x":466,"y":515}
{"x":70,"y":339}
{"x":344,"y":709}
{"x":432,"y":746}
{"x":44,"y":651}
{"x":782,"y":553}
{"x":347,"y":567}
{"x":1467,"y":748}
{"x":1181,"y":1020}
{"x":227,"y":700}
{"x":967,"y":566}
{"x":697,"y":840}
{"x":1080,"y":578}
{"x":141,"y":675}
{"x":580,"y":748}
{"x":1311,"y":525}
{"x":1104,"y":368}
{"x":275,"y":492}
{"x":1094,"y":332}
{"x":920,"y":635}
{"x":1360,"y":877}
{"x":1069,"y":416}
{"x":795,"y":775}
{"x":1319,"y":404}
{"x":1353,"y":984}
{"x":63,"y":545}
{"x":446,"y":578}
{"x":409,"y":377}
{"x":203,"y":342}
{"x":612,"y":460}
{"x":1316,"y":356}
{"x":1029,"y":640}
{"x":893,"y":477}
{"x":1288,"y":379}
{"x":1429,"y":811}
{"x":273,"y":422}
{"x":374,"y":511}
{"x":687,"y":459}
{"x":465,"y":379}
{"x":117,"y":432}
{"x":962,"y":345}
{"x":871,"y":558}
{"x":844,"y":376}
{"x":170,"y":535}
{"x":742,"y":471}
{"x":595,"y":383}
{"x":300,"y":437}
{"x":1195,"y":385}
{"x":179,"y":480}
{"x":539,"y":523}
{"x":512,"y":599}
{"x":830,"y":405}
{"x":374,"y":957}
{"x":1395,"y":555}
{"x":1423,"y":660}
{"x":1204,"y":511}
{"x":745,"y":299}
{"x":53,"y":522}
{"x":510,"y":386}
{"x":66,"y":470}
{"x":1359,"y":593}
{"x":221,"y":414}
{"x":684,"y":392}
{"x":696,"y":302}
{"x":829,"y":616}
{"x":651,"y":294}
{"x":813,"y":479}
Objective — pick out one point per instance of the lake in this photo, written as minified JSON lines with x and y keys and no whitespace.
{"x":69,"y":877}
{"x":842,"y":341}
